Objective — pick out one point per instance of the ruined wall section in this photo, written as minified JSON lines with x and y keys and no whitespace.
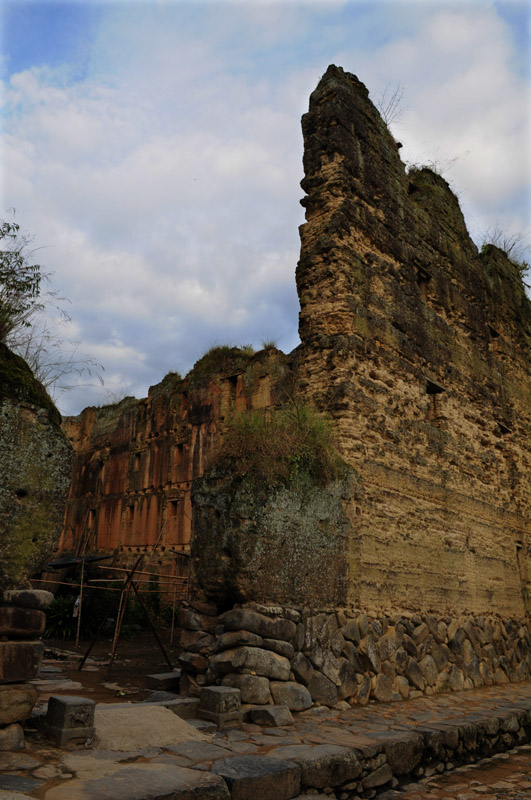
{"x":135,"y":461}
{"x":419,"y":348}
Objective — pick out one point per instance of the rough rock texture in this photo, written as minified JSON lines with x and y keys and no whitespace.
{"x":419,"y":347}
{"x":272,"y":546}
{"x":35,"y":470}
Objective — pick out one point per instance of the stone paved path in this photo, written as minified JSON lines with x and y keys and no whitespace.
{"x":506,"y":776}
{"x":399,"y":751}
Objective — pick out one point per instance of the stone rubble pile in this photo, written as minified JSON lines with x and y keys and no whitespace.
{"x":300,"y":657}
{"x":22,"y":622}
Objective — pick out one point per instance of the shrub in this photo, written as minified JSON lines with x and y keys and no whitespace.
{"x":276,"y":447}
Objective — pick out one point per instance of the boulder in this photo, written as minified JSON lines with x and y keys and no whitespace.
{"x":245,"y":619}
{"x":293,"y":695}
{"x":253,"y":689}
{"x":255,"y":659}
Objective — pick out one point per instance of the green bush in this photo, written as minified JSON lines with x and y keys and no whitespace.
{"x":275,"y":447}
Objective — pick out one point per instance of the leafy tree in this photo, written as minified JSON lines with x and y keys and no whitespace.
{"x":20,"y":281}
{"x":30,"y":319}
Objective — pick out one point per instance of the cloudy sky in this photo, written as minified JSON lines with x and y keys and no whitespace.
{"x":154,"y":151}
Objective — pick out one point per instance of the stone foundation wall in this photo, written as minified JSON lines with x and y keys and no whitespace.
{"x":304,"y":657}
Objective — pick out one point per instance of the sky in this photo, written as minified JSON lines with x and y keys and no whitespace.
{"x":153,"y":151}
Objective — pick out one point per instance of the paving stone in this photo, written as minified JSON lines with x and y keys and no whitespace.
{"x":9,"y":762}
{"x":271,"y":715}
{"x":21,"y":623}
{"x":164,"y":681}
{"x":259,"y":777}
{"x":144,"y":782}
{"x":18,"y":783}
{"x":322,"y":765}
{"x":203,"y":725}
{"x":199,"y":751}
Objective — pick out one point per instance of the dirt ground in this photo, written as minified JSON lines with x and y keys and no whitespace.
{"x":135,"y":659}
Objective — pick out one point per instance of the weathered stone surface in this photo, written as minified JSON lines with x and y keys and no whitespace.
{"x":351,"y":631}
{"x":274,"y":715}
{"x":145,"y":782}
{"x":11,"y":738}
{"x":232,"y":639}
{"x":253,"y":689}
{"x":429,"y":670}
{"x":246,"y":619}
{"x":28,"y":598}
{"x":322,"y":765}
{"x":414,"y":675}
{"x":164,"y":681}
{"x":293,"y":695}
{"x":282,"y":648}
{"x":19,"y":661}
{"x":404,"y":752}
{"x":199,"y":751}
{"x":364,"y":691}
{"x":35,"y":472}
{"x":259,"y":777}
{"x":21,"y":623}
{"x":16,"y":702}
{"x":322,"y":689}
{"x":383,"y":688}
{"x":71,"y":712}
{"x":216,"y":700}
{"x":348,"y":684}
{"x":377,"y":778}
{"x":302,"y":668}
{"x":326,"y":662}
{"x":254,"y":659}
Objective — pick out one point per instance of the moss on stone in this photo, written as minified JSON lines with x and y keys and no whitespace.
{"x":18,"y":383}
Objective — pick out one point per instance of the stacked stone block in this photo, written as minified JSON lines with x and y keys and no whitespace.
{"x":301,"y":657}
{"x":22,"y":621}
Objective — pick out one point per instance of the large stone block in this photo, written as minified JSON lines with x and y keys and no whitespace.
{"x":21,"y":623}
{"x":259,"y":777}
{"x":220,"y":704}
{"x":293,"y":695}
{"x":12,"y":738}
{"x":271,"y":716}
{"x":245,"y":619}
{"x":16,"y":702}
{"x":253,"y":688}
{"x":144,"y":782}
{"x":262,"y":662}
{"x":19,"y":661}
{"x":71,"y":712}
{"x":322,"y":765}
{"x":28,"y":598}
{"x":164,"y":681}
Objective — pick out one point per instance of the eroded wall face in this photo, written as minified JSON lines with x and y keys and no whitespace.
{"x":135,"y":461}
{"x":419,"y":348}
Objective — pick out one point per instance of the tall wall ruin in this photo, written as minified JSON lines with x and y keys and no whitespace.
{"x":417,"y":577}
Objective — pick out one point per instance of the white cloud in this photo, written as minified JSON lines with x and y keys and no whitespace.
{"x":166,"y":181}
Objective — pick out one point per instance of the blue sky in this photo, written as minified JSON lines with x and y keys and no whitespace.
{"x":154,"y":151}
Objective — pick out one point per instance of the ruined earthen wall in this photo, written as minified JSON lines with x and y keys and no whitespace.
{"x":135,"y":461}
{"x":419,"y":347}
